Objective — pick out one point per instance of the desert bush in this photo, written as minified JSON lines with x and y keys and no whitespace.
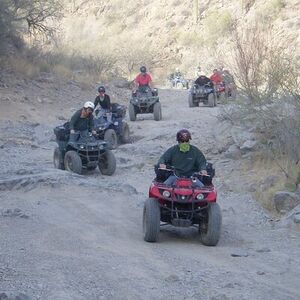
{"x":186,"y":13}
{"x":268,"y":76}
{"x":33,"y":15}
{"x":132,"y":55}
{"x":24,"y":67}
{"x":217,"y":25}
{"x":270,"y":10}
{"x":247,"y":4}
{"x":176,"y":3}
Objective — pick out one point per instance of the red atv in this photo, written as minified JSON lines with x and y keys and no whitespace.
{"x":183,"y":205}
{"x":220,"y":91}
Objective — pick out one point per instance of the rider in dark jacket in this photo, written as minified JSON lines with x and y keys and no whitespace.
{"x":203,"y":80}
{"x":186,"y":159}
{"x":82,"y":119}
{"x":102,"y":99}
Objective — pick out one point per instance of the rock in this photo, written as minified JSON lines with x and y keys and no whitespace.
{"x":260,"y":273}
{"x":285,"y":201}
{"x":248,"y":145}
{"x":121,"y":83}
{"x":233,"y":152}
{"x":3,"y":296}
{"x":263,"y":250}
{"x":239,"y":253}
{"x":172,"y":278}
{"x":22,"y":297}
{"x":240,"y":135}
{"x":61,"y":118}
{"x":296,"y":218}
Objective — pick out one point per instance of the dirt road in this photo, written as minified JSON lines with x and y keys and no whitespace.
{"x":71,"y":237}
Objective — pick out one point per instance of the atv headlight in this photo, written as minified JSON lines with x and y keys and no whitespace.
{"x":166,"y":194}
{"x":101,"y":128}
{"x":101,"y":147}
{"x":81,"y":147}
{"x":200,"y":197}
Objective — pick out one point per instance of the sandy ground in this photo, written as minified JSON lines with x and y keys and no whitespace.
{"x":69,"y":237}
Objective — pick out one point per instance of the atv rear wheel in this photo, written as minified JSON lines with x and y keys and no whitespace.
{"x":179,"y":85}
{"x":211,"y":228}
{"x":151,"y":220}
{"x":157,"y":111}
{"x":132,"y":114}
{"x":111,"y":138}
{"x":58,"y":160}
{"x":211,"y":100}
{"x":124,"y":138}
{"x":233,"y":94}
{"x":222,"y":98}
{"x":72,"y":162}
{"x":107,"y":163}
{"x":191,"y":102}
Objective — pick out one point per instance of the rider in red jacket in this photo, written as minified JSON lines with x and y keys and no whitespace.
{"x":216,"y":77}
{"x":143,"y":79}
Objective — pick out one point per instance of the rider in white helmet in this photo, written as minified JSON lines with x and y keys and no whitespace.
{"x":82,"y":120}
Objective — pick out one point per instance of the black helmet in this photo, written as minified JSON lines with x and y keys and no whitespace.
{"x":183,"y":135}
{"x":101,"y":89}
{"x":143,"y":69}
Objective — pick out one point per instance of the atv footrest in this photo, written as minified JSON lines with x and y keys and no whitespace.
{"x":181,"y":222}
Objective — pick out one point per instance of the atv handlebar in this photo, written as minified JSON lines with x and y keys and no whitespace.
{"x":195,"y":174}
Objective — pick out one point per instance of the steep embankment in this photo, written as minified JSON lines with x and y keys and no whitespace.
{"x":165,"y":32}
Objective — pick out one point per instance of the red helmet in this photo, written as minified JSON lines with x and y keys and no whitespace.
{"x":183,"y":135}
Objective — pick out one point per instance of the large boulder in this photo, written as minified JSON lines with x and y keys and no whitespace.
{"x":240,"y":135}
{"x":285,"y":201}
{"x":249,"y":145}
{"x":233,"y":152}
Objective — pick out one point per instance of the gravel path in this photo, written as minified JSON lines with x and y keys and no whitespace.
{"x":69,"y":237}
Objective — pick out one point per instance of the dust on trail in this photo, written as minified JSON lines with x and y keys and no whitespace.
{"x":65,"y":236}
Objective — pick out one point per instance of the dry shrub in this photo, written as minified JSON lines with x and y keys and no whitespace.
{"x":270,"y":10}
{"x":269,"y":79}
{"x":218,"y":23}
{"x":24,"y":67}
{"x":132,"y":55}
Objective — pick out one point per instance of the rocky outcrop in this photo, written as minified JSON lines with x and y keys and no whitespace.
{"x":285,"y":201}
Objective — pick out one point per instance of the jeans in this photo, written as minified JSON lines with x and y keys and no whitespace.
{"x":172,"y":178}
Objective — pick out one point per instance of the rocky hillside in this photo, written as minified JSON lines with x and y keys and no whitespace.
{"x":170,"y":33}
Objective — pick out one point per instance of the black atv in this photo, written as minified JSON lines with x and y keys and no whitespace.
{"x":204,"y":93}
{"x":81,"y":150}
{"x":111,"y":126}
{"x":145,"y":101}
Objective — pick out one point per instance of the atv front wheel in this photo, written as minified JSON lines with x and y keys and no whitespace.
{"x":211,"y":100}
{"x":151,"y":220}
{"x":111,"y":138}
{"x":73,"y":162}
{"x":191,"y":101}
{"x":58,"y":160}
{"x":210,"y":229}
{"x":107,"y":163}
{"x":157,"y":111}
{"x":125,"y":133}
{"x":132,"y":114}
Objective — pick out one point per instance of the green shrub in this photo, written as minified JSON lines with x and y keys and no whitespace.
{"x":218,"y":23}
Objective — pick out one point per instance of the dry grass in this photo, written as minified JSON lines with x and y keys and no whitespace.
{"x":24,"y":67}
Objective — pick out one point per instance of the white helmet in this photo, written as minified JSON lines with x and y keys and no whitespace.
{"x":89,"y":104}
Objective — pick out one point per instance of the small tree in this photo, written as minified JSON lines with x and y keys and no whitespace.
{"x":36,"y":17}
{"x":268,"y":76}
